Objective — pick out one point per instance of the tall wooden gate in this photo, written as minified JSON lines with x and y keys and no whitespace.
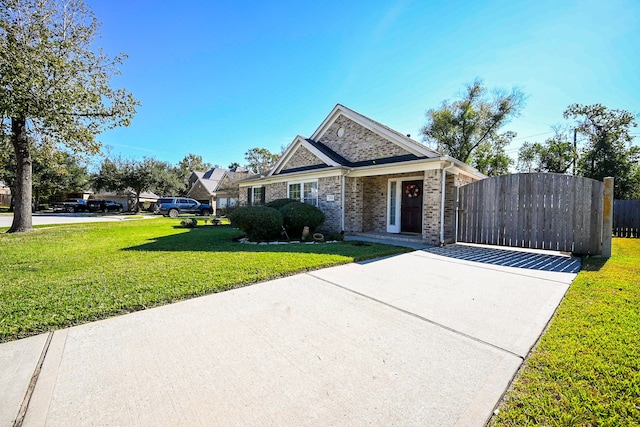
{"x":533,"y":210}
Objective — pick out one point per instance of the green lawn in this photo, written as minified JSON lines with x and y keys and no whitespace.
{"x":59,"y":276}
{"x":586,"y":369}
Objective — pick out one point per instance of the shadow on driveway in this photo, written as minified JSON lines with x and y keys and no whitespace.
{"x":509,"y":258}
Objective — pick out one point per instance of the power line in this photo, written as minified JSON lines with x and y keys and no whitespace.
{"x":531,"y":136}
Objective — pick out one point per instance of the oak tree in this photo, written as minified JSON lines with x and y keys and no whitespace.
{"x":54,"y":88}
{"x":608,"y":149}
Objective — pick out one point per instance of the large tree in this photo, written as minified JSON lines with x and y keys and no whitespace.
{"x":469,"y":129}
{"x":608,"y":149}
{"x":260,"y":160}
{"x":53,"y":171}
{"x":53,"y":87}
{"x":190,"y":163}
{"x":119,"y":175}
{"x":556,"y":155}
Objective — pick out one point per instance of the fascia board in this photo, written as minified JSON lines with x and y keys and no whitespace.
{"x":297,"y":142}
{"x":314,"y":174}
{"x":286,"y":155}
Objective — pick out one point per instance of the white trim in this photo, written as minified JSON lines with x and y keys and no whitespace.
{"x":296,"y":176}
{"x":397,"y":181}
{"x":297,"y":142}
{"x":253,"y":187}
{"x":301,"y":183}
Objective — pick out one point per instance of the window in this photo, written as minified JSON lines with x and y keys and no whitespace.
{"x":256,"y":196}
{"x":392,"y":204}
{"x":306,"y":192}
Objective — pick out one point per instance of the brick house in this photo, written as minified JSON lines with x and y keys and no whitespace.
{"x":217,"y":187}
{"x":366,"y":177}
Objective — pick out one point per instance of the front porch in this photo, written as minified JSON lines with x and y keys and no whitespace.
{"x":412,"y":240}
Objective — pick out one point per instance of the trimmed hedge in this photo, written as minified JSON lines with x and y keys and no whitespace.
{"x":297,"y":215}
{"x":258,"y":222}
{"x":279,"y":203}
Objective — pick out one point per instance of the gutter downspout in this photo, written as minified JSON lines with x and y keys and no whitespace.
{"x":444,"y":181}
{"x":342,"y":198}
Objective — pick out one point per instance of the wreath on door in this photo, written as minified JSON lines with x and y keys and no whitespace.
{"x":412,"y":190}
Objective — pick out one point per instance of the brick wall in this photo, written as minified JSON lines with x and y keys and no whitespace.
{"x":277,"y":190}
{"x":358,"y":143}
{"x":449,"y":208}
{"x":198,"y":192}
{"x":302,"y":157}
{"x":332,"y":209}
{"x":432,"y":199}
{"x":353,"y":205}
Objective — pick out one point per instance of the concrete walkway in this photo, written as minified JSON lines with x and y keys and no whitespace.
{"x":415,"y":339}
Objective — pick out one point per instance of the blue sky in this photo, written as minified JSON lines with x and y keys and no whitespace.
{"x":218,"y":78}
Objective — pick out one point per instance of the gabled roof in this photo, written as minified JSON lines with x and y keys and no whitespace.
{"x":321,"y":154}
{"x":213,"y":178}
{"x":404,"y":141}
{"x":329,"y":158}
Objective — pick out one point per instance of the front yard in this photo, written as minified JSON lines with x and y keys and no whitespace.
{"x":586,"y":369}
{"x":60,"y":276}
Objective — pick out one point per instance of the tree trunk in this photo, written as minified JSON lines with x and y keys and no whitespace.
{"x":23,"y":184}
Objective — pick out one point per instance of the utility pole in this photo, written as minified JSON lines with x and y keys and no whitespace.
{"x":575,"y":149}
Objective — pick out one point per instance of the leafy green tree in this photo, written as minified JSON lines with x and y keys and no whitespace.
{"x":53,"y":171}
{"x":119,"y":175}
{"x":468,"y":129}
{"x":233,"y":165}
{"x":555,"y":155}
{"x":260,"y":160}
{"x":53,"y":86}
{"x":491,"y":159}
{"x":608,"y":150}
{"x":57,"y":171}
{"x":190,"y":163}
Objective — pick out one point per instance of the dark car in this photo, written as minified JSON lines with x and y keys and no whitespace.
{"x":174,"y":206}
{"x":97,"y":205}
{"x":71,"y":205}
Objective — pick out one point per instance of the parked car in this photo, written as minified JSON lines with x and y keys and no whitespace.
{"x":98,"y":205}
{"x":174,"y":206}
{"x":71,"y":205}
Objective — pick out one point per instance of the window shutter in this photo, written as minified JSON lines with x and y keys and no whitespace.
{"x":249,"y":191}
{"x":262,"y":195}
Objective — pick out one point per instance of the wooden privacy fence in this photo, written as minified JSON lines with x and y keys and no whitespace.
{"x":626,"y":218}
{"x":533,"y":210}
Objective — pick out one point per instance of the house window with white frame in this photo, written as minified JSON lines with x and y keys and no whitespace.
{"x":305,"y":191}
{"x":256,"y":196}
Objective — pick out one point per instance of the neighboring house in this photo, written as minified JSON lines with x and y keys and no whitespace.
{"x":5,"y":194}
{"x":217,"y":187}
{"x":127,"y":198}
{"x":366,"y":177}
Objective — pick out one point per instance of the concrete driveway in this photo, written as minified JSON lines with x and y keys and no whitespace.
{"x":421,"y":338}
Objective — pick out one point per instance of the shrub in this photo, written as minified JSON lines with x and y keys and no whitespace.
{"x":189,"y":223}
{"x":279,"y":203}
{"x":258,"y":222}
{"x":296,"y":215}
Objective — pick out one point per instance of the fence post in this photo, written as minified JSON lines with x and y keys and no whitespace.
{"x":607,"y":217}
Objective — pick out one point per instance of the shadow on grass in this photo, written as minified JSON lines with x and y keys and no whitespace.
{"x":220,"y":239}
{"x":593,"y":264}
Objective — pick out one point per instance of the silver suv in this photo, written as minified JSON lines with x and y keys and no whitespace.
{"x":174,"y":206}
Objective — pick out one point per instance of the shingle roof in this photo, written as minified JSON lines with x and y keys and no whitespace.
{"x":344,"y":162}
